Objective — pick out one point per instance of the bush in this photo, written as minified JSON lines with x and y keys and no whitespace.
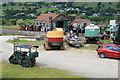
{"x":6,"y":22}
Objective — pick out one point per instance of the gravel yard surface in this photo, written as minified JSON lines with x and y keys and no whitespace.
{"x":83,"y":62}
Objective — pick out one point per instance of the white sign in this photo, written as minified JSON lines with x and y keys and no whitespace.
{"x":112,"y":22}
{"x":113,"y":28}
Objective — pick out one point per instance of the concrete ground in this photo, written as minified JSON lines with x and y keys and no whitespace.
{"x":82,"y":62}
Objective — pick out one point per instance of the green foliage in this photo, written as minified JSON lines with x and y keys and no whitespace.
{"x":44,"y":9}
{"x":84,"y":16}
{"x":29,"y":22}
{"x":101,"y":19}
{"x":20,"y":22}
{"x":27,"y":42}
{"x":10,"y":27}
{"x":13,"y":21}
{"x":6,"y":22}
{"x":13,"y":10}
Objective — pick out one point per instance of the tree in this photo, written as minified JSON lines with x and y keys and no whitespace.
{"x":103,"y":5}
{"x":29,"y":22}
{"x":89,"y":12}
{"x":83,"y":16}
{"x":6,"y":22}
{"x":20,"y":22}
{"x":99,"y":4}
{"x":13,"y":21}
{"x":69,"y":4}
{"x":110,"y":3}
{"x":118,"y":5}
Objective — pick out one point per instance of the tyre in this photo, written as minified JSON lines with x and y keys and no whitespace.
{"x":12,"y":59}
{"x":85,"y":42}
{"x":33,"y":61}
{"x":102,"y":55}
{"x":97,"y":42}
{"x":26,"y":63}
{"x":44,"y":46}
{"x":47,"y":48}
{"x":62,"y":47}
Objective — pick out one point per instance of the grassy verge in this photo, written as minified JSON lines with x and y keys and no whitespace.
{"x":95,"y":46}
{"x":90,"y":46}
{"x":27,"y":42}
{"x":17,"y":71}
{"x":10,"y":27}
{"x":9,"y":35}
{"x":105,"y":41}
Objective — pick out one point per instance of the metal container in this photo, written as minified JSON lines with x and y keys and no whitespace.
{"x":92,"y":31}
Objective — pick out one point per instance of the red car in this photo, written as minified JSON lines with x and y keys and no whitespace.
{"x":109,"y":50}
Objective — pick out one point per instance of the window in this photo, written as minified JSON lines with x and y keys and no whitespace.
{"x":112,"y":48}
{"x":44,"y":24}
{"x":85,"y":24}
{"x":116,"y":49}
{"x":100,"y":47}
{"x":109,"y":47}
{"x":37,"y":23}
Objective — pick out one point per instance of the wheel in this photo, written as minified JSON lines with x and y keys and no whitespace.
{"x":47,"y":48}
{"x":97,"y":42}
{"x":78,"y":45}
{"x":102,"y":55}
{"x":12,"y":59}
{"x":33,"y":61}
{"x":62,"y":47}
{"x":26,"y":63}
{"x":85,"y":42}
{"x":44,"y":45}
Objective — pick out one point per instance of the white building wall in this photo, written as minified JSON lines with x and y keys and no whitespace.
{"x":43,"y":23}
{"x":54,"y":25}
{"x":79,"y":25}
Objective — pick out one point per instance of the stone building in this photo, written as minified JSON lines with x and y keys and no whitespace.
{"x":79,"y":23}
{"x":53,"y":20}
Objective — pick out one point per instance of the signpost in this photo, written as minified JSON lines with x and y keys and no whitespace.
{"x":113,"y":22}
{"x":112,"y":28}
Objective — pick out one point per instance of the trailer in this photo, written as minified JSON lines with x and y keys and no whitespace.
{"x":92,"y":34}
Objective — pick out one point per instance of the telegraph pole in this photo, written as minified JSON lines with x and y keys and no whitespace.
{"x":119,"y":34}
{"x":118,"y":21}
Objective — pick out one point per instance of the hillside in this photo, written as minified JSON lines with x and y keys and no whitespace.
{"x":31,"y":10}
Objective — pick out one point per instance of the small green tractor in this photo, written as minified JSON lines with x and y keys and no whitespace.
{"x":23,"y":55}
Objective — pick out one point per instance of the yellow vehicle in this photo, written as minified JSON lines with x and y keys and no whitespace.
{"x":54,"y":39}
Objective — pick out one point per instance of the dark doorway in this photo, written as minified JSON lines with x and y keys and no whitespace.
{"x":60,"y":24}
{"x":85,"y":24}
